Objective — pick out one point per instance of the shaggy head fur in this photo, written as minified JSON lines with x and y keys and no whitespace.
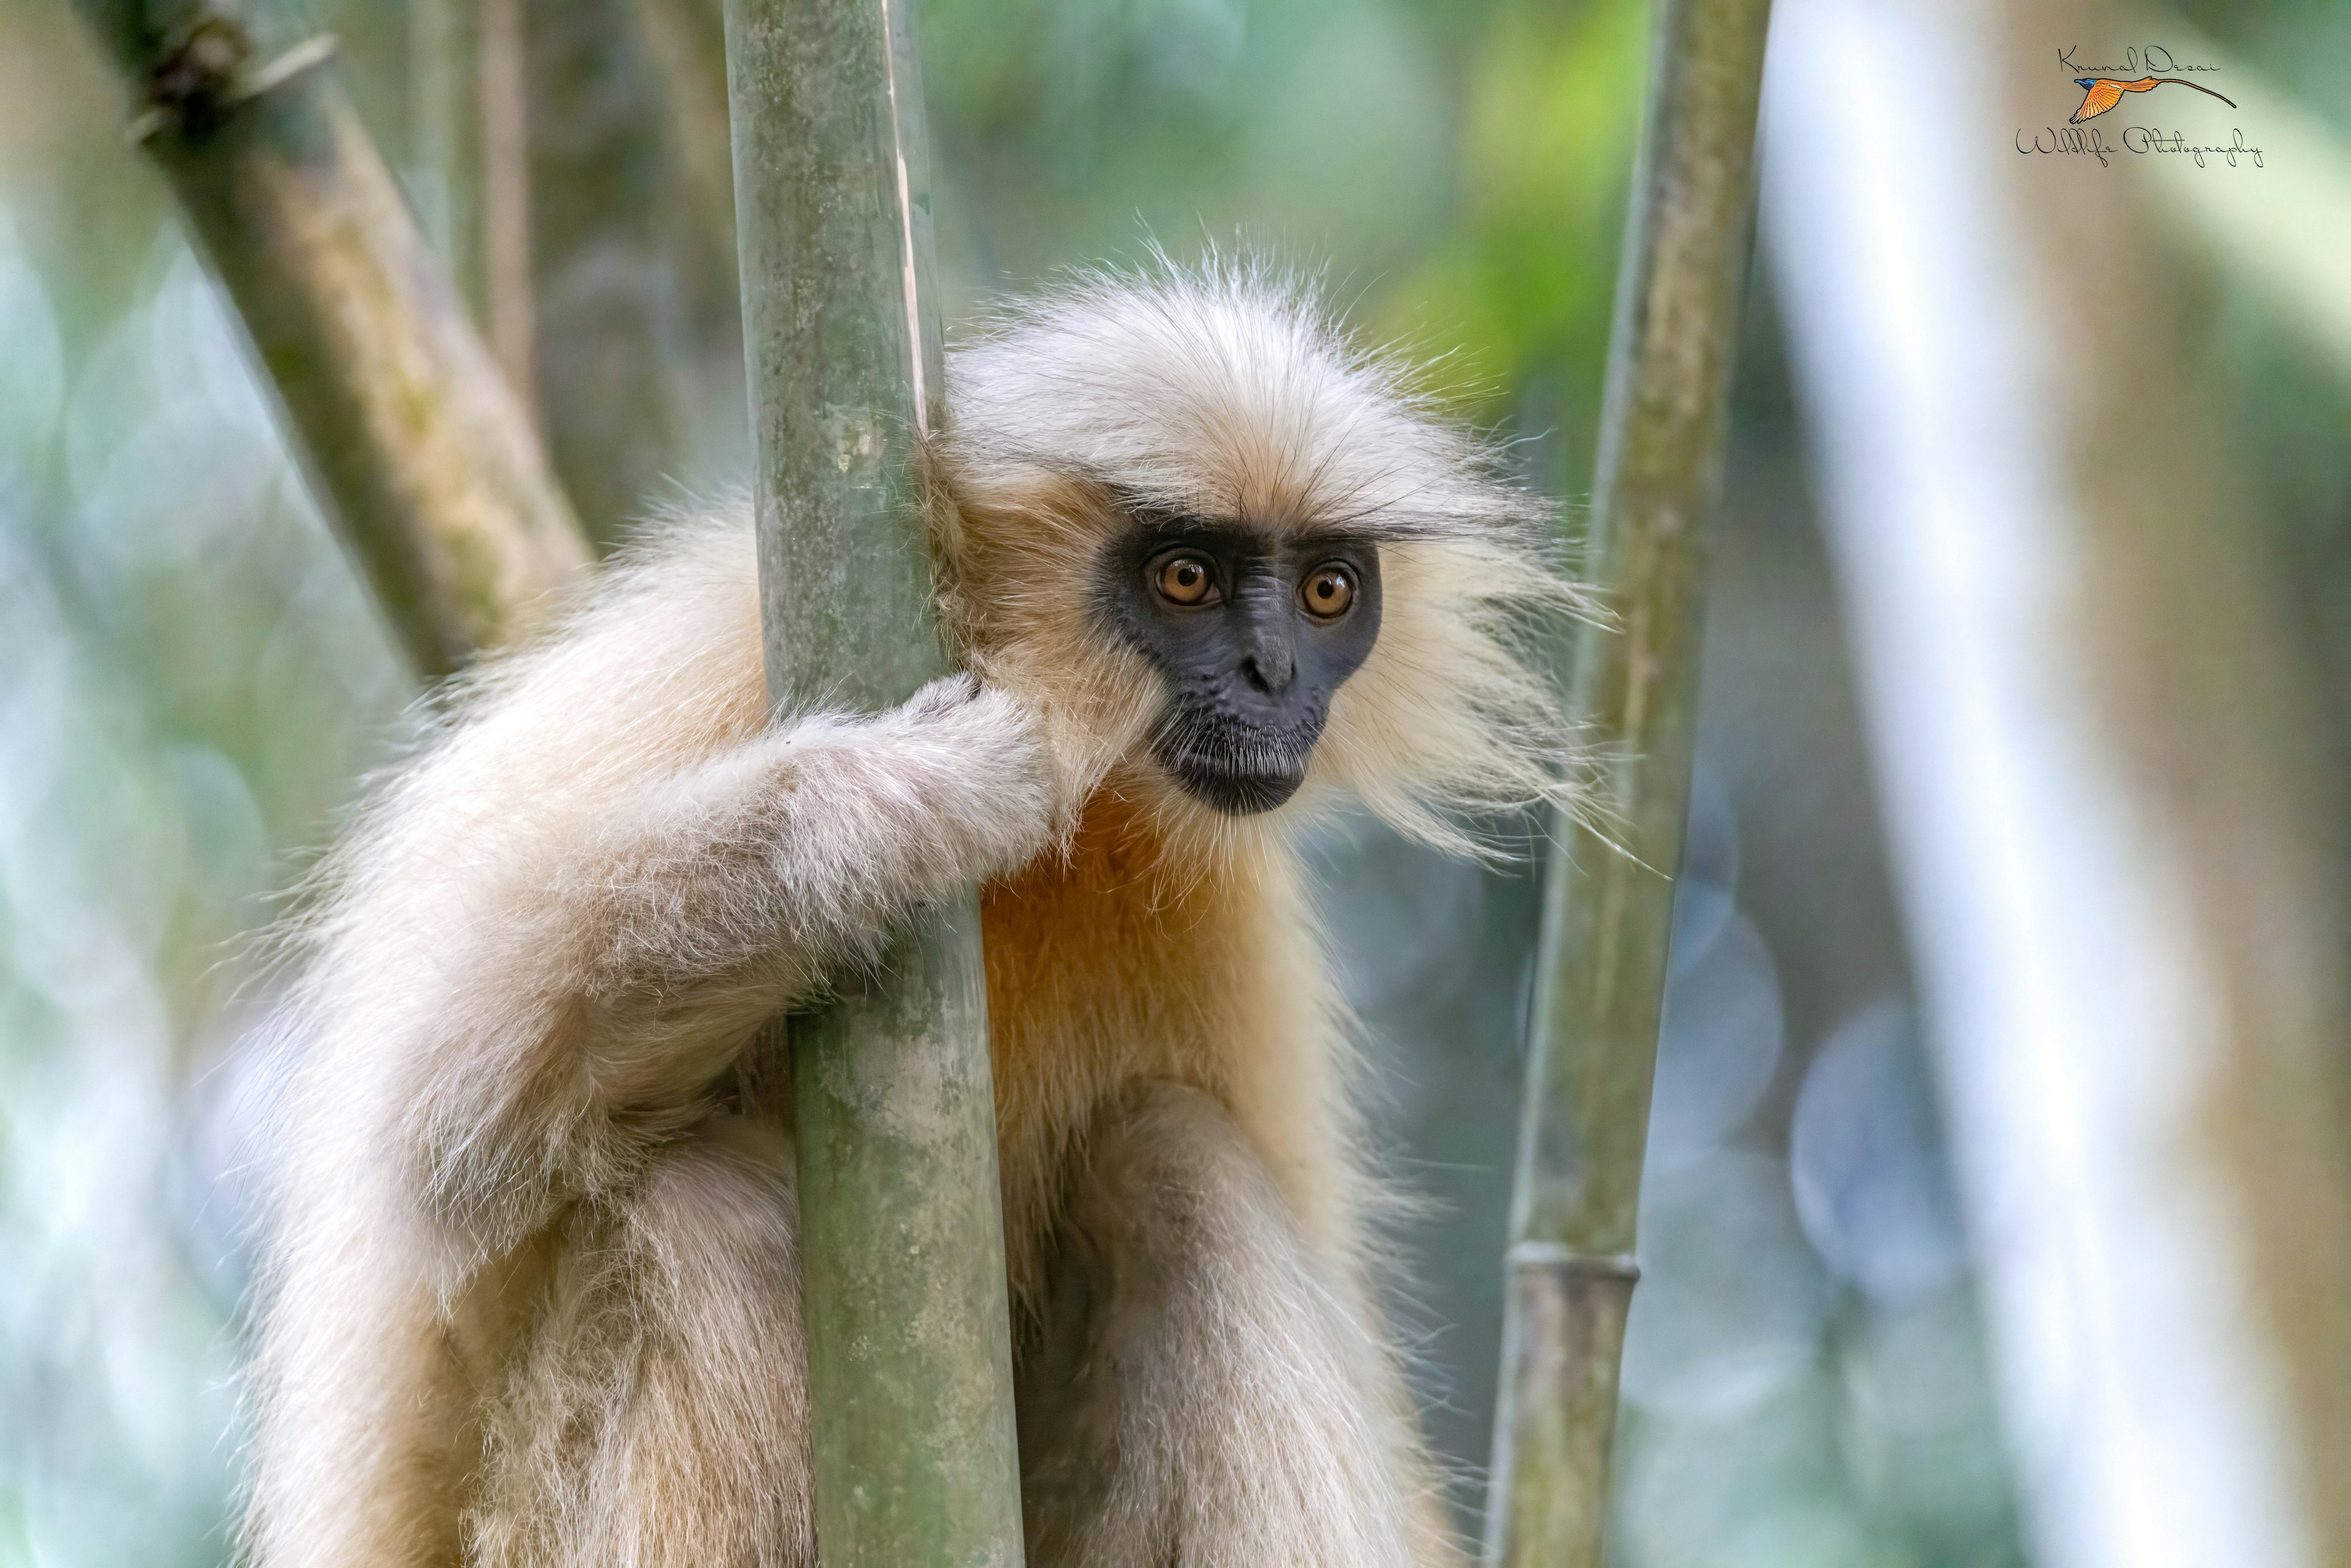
{"x":1229,"y":396}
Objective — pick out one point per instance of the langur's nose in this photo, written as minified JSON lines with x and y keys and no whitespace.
{"x":1269,"y":667}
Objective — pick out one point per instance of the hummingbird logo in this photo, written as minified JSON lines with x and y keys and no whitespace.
{"x":2100,"y":94}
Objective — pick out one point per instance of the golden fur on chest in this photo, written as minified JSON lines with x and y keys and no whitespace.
{"x":1109,"y":963}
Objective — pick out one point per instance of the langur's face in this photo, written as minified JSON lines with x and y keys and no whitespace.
{"x":1169,"y":503}
{"x":1252,"y":629}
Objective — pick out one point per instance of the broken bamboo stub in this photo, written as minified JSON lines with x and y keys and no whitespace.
{"x":412,"y":443}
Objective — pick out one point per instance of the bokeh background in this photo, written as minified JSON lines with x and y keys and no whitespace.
{"x":1994,"y":1196}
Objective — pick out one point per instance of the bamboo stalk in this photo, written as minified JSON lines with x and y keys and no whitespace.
{"x":900,"y":1227}
{"x":2173,"y":624}
{"x":412,"y":444}
{"x":1608,"y":901}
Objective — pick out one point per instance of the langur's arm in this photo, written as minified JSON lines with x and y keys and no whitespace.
{"x":526,"y":962}
{"x":734,"y":883}
{"x":610,"y":968}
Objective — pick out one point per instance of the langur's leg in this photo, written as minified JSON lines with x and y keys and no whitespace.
{"x":1201,"y":1389}
{"x":365,"y":1404}
{"x":658,"y":1415}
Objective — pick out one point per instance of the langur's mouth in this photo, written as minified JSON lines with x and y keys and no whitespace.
{"x":1227,"y":785}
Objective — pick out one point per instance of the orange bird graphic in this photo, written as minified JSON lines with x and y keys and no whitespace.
{"x":2100,"y":94}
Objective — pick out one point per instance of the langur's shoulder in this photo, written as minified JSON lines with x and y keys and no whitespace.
{"x":685,"y":585}
{"x":668,"y":636}
{"x":706,"y":554}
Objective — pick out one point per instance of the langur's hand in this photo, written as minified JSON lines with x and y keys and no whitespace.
{"x":976,"y":755}
{"x":986,"y":728}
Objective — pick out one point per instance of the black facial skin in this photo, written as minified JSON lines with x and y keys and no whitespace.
{"x":1251,"y":668}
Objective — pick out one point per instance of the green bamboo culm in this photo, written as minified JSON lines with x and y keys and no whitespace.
{"x":901,"y":1236}
{"x":1608,"y":902}
{"x":412,"y":443}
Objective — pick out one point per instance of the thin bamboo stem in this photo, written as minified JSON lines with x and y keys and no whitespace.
{"x":1608,"y":902}
{"x":444,"y":132}
{"x":412,"y":443}
{"x":682,"y":38}
{"x":901,"y":1240}
{"x":639,"y":354}
{"x":502,"y":81}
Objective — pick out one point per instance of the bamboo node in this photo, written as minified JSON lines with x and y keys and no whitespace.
{"x":206,"y":74}
{"x":1556,"y":1258}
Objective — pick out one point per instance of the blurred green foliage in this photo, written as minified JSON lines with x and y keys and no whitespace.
{"x":1455,"y":172}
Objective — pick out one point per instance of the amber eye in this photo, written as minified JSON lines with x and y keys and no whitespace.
{"x":1186,"y":580}
{"x":1329,"y":591}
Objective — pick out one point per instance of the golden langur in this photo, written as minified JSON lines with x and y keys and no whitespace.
{"x":529,"y":1292}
